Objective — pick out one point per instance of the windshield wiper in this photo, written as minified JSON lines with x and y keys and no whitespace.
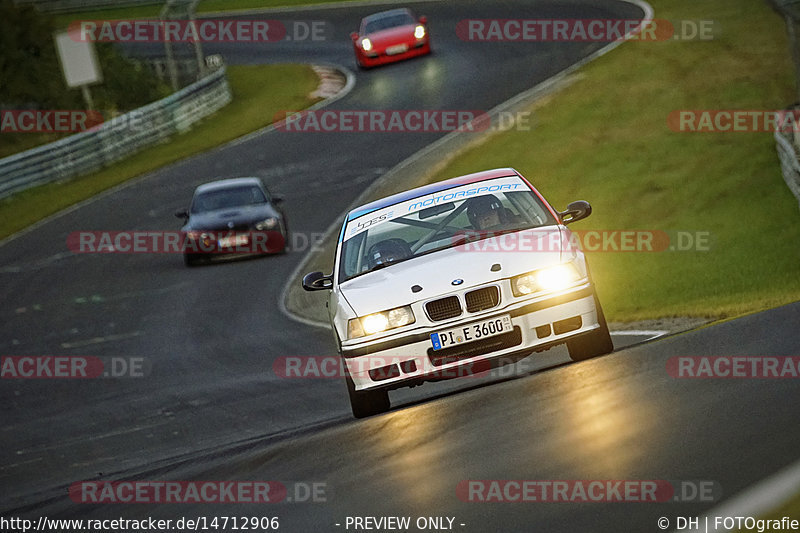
{"x":376,"y":267}
{"x":386,"y":264}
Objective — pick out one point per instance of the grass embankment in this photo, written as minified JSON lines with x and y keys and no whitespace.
{"x":605,"y":139}
{"x":790,"y":509}
{"x":267,"y":89}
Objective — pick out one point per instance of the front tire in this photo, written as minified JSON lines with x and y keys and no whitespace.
{"x":191,"y":260}
{"x":286,"y":237}
{"x":366,"y":403}
{"x":594,"y":344}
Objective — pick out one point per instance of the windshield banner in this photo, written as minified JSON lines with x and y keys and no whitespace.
{"x":480,"y":188}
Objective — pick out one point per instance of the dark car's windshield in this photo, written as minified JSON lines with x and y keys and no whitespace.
{"x":434,"y":222}
{"x":388,"y":21}
{"x":226,"y":198}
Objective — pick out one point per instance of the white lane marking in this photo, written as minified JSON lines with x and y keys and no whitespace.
{"x":100,"y":340}
{"x":649,"y":333}
{"x":14,"y":465}
{"x":756,"y":500}
{"x":63,"y":443}
{"x":36,"y":265}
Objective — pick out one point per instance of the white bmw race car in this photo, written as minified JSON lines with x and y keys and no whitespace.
{"x":455,"y":278}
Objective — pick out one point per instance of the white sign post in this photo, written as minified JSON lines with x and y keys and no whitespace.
{"x":78,"y":62}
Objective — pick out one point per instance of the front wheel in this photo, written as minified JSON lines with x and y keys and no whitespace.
{"x":366,"y":403}
{"x":191,"y":260}
{"x":286,"y":235}
{"x":596,"y":343}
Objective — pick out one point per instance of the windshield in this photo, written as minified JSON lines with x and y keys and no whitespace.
{"x":388,"y":21}
{"x":442,"y":220}
{"x":227,"y":198}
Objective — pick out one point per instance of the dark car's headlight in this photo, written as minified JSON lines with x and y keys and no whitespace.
{"x":269,"y":223}
{"x":377,"y":322}
{"x":554,"y":278}
{"x":197,"y":235}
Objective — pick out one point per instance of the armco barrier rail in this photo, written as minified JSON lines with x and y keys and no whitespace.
{"x":113,"y":140}
{"x":65,"y":6}
{"x":788,"y":155}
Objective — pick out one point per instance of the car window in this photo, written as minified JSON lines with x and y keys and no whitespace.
{"x":379,"y":239}
{"x":227,"y":198}
{"x":386,"y":22}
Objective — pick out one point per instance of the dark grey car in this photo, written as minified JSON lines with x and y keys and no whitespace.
{"x":235,"y":216}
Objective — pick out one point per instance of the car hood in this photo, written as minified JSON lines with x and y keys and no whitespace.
{"x":391,"y":286}
{"x":390,"y":36}
{"x":237,"y":216}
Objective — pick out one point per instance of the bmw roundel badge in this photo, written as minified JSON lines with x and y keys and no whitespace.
{"x":457,"y":282}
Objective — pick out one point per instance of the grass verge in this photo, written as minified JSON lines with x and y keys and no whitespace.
{"x":268,"y":89}
{"x":605,"y":139}
{"x":790,"y":508}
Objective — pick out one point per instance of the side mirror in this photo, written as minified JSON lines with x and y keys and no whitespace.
{"x":354,"y":36}
{"x":317,"y":281}
{"x":182,"y":213}
{"x":277,"y":200}
{"x":423,"y":19}
{"x":576,"y":211}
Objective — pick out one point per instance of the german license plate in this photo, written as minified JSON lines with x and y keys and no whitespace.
{"x":471,"y":332}
{"x":396,"y":49}
{"x":231,"y":242}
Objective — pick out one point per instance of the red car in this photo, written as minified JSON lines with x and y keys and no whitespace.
{"x":390,"y":36}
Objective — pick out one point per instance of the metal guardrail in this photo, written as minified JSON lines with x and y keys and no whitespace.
{"x":113,"y":140}
{"x":788,"y":154}
{"x":67,"y":6}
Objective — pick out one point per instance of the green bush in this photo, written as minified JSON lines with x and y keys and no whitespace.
{"x":31,"y":77}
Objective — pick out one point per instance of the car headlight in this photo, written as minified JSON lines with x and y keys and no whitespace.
{"x":377,"y":322}
{"x":366,"y":44}
{"x":419,"y":32}
{"x":195,"y":235}
{"x":553,"y":278}
{"x":194,"y":238}
{"x":269,"y":223}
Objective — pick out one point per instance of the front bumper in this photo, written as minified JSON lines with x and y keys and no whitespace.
{"x":381,"y":58}
{"x":407,"y":359}
{"x":257,"y":242}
